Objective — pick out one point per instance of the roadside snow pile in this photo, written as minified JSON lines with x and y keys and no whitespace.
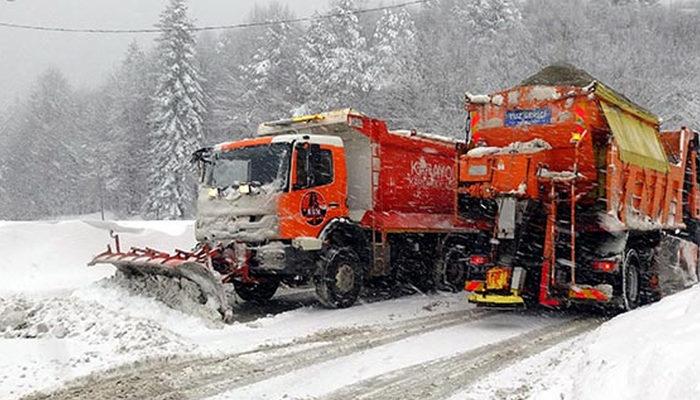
{"x":46,"y":341}
{"x":179,"y":294}
{"x":533,"y":146}
{"x":652,"y":353}
{"x":68,"y":317}
{"x":52,"y":326}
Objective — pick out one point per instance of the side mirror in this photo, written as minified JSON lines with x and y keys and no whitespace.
{"x":202,"y":158}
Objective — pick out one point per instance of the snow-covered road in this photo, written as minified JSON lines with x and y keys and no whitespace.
{"x":69,"y":331}
{"x":387,"y":360}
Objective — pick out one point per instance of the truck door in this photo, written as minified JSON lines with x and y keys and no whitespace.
{"x":318,"y":190}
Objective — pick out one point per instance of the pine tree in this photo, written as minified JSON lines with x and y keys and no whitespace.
{"x":177,"y":117}
{"x":640,"y":2}
{"x":125,"y":157}
{"x":486,"y":17}
{"x":265,"y":86}
{"x":45,"y":148}
{"x":333,"y":61}
{"x":269,"y":78}
{"x":394,"y":70}
{"x":394,"y":49}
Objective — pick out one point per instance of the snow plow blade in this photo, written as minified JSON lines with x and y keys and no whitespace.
{"x":184,"y":265}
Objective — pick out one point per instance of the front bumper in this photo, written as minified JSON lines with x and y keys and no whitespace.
{"x":280,"y":258}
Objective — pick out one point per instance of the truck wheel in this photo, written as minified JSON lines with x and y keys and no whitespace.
{"x":340,"y":278}
{"x":259,"y":291}
{"x":630,"y":281}
{"x":450,"y":271}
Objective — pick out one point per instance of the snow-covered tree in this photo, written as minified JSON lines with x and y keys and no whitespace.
{"x":333,"y":61}
{"x":265,"y":85}
{"x":62,"y":149}
{"x":213,"y":69}
{"x":640,"y":2}
{"x":484,"y":17}
{"x":394,"y":69}
{"x":177,"y":117}
{"x":45,"y":150}
{"x":125,"y":152}
{"x":394,"y":50}
{"x":269,"y":78}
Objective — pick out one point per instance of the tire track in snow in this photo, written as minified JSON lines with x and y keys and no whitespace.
{"x":192,"y":378}
{"x":444,"y":377}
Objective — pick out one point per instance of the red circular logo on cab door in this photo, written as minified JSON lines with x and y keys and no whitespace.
{"x":313,"y":208}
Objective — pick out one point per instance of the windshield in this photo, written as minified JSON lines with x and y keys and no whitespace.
{"x":256,"y":165}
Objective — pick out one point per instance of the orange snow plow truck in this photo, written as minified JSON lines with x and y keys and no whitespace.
{"x":334,"y":199}
{"x":586,"y":201}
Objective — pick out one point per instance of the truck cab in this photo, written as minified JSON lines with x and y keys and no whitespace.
{"x":272,"y":196}
{"x":335,"y":199}
{"x":271,"y":188}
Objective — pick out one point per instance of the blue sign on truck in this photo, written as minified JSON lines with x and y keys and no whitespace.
{"x":539,"y":116}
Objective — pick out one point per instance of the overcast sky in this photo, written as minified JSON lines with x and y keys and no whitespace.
{"x":87,"y":58}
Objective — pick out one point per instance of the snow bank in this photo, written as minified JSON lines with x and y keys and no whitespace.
{"x":653,"y":353}
{"x":48,"y":333}
{"x":46,"y":341}
{"x":648,"y":354}
{"x":49,"y":257}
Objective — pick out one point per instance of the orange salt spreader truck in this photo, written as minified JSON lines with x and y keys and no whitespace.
{"x":335,"y":199}
{"x":586,"y":201}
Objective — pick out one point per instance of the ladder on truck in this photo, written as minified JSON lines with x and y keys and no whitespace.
{"x":560,"y":240}
{"x":380,"y":255}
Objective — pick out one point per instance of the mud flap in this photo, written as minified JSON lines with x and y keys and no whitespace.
{"x":676,"y":263}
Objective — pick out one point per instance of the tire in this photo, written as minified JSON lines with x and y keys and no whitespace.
{"x":631,"y":280}
{"x":260,"y":291}
{"x":339,"y":278}
{"x":450,"y":272}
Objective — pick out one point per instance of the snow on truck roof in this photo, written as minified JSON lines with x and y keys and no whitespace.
{"x":288,"y":138}
{"x":425,"y":135}
{"x":333,"y":121}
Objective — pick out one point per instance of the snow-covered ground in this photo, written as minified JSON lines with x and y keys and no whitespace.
{"x":649,"y":354}
{"x":60,"y":320}
{"x":55,"y":322}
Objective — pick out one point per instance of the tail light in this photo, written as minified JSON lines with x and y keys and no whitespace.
{"x":605,"y":265}
{"x":478,"y":259}
{"x":474,"y":286}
